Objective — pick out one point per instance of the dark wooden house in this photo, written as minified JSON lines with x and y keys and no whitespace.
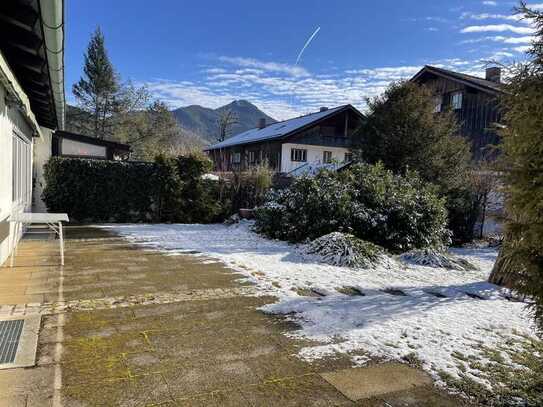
{"x":474,"y":101}
{"x":315,"y":139}
{"x":67,"y":144}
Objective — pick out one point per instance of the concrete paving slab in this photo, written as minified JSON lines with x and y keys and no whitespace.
{"x":366,"y":382}
{"x":213,"y":348}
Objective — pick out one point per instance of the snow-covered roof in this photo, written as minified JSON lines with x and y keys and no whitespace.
{"x":276,"y":130}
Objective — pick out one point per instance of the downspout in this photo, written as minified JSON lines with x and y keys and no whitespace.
{"x":52,"y":19}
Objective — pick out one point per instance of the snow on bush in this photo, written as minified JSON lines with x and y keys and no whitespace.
{"x":396,"y":212}
{"x":344,"y":250}
{"x":436,"y":258}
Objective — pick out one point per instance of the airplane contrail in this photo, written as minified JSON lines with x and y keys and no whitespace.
{"x":306,"y":45}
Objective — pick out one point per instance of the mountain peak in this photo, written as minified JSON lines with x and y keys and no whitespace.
{"x":203,"y":121}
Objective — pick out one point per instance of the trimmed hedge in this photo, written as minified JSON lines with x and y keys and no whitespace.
{"x":168,"y":190}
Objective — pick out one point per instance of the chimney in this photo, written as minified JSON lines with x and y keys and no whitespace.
{"x":494,"y":74}
{"x":323,"y":109}
{"x":261,"y":123}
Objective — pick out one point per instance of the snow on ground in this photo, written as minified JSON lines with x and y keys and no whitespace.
{"x":431,"y":313}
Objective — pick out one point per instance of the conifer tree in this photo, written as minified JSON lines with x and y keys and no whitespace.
{"x":97,"y":90}
{"x":520,"y":263}
{"x":403,"y":131}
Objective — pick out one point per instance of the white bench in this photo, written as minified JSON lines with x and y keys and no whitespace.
{"x":53,"y":220}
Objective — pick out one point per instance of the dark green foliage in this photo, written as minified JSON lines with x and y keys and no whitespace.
{"x":403,"y":132}
{"x":396,"y":212}
{"x":199,"y":197}
{"x":169,"y":190}
{"x":97,"y":91}
{"x":520,"y":264}
{"x":309,"y":208}
{"x":96,"y":190}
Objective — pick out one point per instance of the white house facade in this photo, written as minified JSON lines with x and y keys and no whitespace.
{"x":31,"y":102}
{"x":295,"y":155}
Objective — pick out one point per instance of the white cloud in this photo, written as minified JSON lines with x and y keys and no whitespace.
{"x":497,"y":28}
{"x":490,"y":3}
{"x":500,"y":38}
{"x":266,"y":66}
{"x":488,"y":16}
{"x":283,"y":93}
{"x":500,"y":55}
{"x":522,"y":48}
{"x":535,"y":6}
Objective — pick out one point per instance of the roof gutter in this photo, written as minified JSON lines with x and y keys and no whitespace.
{"x":52,"y":20}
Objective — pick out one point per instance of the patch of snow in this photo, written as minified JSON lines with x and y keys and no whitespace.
{"x":210,"y":177}
{"x":443,"y":312}
{"x":436,"y":258}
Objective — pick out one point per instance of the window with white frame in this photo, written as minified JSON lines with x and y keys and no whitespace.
{"x":326,"y":157}
{"x":236,"y":158}
{"x":456,"y":100}
{"x":298,"y":155}
{"x":252,"y":157}
{"x":22,"y":171}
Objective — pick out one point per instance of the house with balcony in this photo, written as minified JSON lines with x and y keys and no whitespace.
{"x":474,"y":101}
{"x":320,"y":139}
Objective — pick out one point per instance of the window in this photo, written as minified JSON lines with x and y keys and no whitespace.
{"x":236,"y":158}
{"x":22,"y":171}
{"x":326,"y":157}
{"x":456,"y":100}
{"x":438,"y":103}
{"x":80,"y":149}
{"x":252,"y":157}
{"x":298,"y":154}
{"x":348,"y":157}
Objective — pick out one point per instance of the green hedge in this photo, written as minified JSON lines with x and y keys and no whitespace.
{"x":168,"y":190}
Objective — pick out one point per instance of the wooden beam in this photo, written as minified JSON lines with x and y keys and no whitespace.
{"x":14,"y":12}
{"x":18,"y":37}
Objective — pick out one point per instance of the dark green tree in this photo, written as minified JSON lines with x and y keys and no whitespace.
{"x":403,"y":132}
{"x":97,"y":90}
{"x":520,"y":263}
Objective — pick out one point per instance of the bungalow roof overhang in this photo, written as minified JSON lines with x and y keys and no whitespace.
{"x":32,"y":59}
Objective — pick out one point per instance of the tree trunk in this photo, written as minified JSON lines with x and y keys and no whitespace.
{"x":506,"y":270}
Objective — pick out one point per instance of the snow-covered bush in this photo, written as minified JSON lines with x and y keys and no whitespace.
{"x":397,"y":212}
{"x":436,"y":258}
{"x":341,"y":249}
{"x":311,"y":207}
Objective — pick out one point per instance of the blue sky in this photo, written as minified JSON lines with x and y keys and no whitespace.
{"x":211,"y":52}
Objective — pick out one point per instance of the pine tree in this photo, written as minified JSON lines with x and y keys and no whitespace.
{"x":520,"y":263}
{"x":98,"y":88}
{"x":403,"y":132}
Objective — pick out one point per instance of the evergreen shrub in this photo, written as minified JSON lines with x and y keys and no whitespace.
{"x":368,"y":201}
